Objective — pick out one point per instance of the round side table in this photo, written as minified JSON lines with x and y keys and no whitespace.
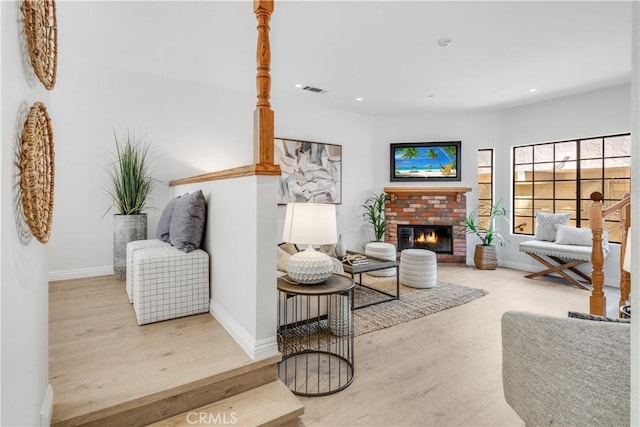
{"x":315,"y":335}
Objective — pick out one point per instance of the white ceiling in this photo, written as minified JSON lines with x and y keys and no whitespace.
{"x":384,"y":52}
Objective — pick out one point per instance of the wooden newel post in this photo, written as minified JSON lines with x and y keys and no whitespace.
{"x":597,"y":301}
{"x":625,"y":276}
{"x":263,"y":116}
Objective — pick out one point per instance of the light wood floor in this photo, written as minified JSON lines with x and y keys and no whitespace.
{"x":443,"y":369}
{"x":100,"y":358}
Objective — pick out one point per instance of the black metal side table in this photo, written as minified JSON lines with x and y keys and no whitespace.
{"x":315,"y":335}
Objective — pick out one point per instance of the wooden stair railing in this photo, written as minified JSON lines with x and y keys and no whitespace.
{"x":598,"y":301}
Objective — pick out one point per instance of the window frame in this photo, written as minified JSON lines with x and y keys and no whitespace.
{"x":580,"y":218}
{"x":481,"y":218}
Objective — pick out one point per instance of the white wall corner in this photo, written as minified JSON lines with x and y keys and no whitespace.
{"x":255,"y":349}
{"x":46,"y":411}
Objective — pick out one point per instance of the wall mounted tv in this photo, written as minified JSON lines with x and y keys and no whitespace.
{"x":425,"y":161}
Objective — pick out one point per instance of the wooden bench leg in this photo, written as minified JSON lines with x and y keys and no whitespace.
{"x":572,"y":268}
{"x":558,"y":269}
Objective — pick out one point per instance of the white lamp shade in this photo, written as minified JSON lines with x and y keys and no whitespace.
{"x":626,"y":265}
{"x":310,"y":224}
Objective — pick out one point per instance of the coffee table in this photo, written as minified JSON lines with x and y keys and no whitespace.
{"x":373,"y":265}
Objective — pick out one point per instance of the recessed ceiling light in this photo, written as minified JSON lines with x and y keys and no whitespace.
{"x":533,"y":90}
{"x":359,"y":99}
{"x":445,"y":42}
{"x":431,"y":96}
{"x":298,"y":85}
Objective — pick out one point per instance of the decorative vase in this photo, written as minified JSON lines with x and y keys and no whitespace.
{"x":126,"y":228}
{"x":340,"y":249}
{"x":485,"y":257}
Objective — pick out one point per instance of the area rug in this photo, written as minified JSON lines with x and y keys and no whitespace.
{"x":413,"y":303}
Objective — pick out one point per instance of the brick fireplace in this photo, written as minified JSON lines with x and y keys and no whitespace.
{"x":429,"y":206}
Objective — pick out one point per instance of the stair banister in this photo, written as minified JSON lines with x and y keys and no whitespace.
{"x":597,"y":301}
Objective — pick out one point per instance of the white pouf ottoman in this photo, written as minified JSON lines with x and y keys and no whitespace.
{"x":418,"y":268}
{"x":384,"y":251}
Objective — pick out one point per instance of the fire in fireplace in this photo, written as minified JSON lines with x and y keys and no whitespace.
{"x":436,"y":238}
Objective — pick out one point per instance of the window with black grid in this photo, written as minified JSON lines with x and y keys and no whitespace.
{"x":485,"y":186}
{"x":559,"y":177}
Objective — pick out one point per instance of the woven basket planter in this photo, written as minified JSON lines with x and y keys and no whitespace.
{"x":485,"y":257}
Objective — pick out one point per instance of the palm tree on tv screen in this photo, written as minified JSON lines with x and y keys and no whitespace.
{"x":432,"y":154}
{"x":409,"y":153}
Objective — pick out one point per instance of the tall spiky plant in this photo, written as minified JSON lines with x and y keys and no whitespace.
{"x":374,"y":214}
{"x":130,"y":180}
{"x":489,"y":234}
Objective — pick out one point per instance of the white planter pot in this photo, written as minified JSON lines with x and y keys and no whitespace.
{"x":384,"y":251}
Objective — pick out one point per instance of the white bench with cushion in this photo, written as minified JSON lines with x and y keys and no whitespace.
{"x":560,"y":247}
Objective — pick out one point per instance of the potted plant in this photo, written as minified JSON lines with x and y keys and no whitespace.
{"x":130,"y":186}
{"x":485,"y":257}
{"x":374,"y":217}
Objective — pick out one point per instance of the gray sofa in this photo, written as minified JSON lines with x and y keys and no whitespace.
{"x":566,"y":371}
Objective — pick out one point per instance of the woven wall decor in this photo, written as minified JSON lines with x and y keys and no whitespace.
{"x":41,"y":29}
{"x":37,"y":172}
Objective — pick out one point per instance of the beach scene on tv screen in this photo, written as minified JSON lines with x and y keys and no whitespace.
{"x":425,"y":162}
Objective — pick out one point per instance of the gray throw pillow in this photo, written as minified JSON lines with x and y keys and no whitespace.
{"x":188,"y":221}
{"x":546,"y":225}
{"x":162,"y":232}
{"x":588,"y":316}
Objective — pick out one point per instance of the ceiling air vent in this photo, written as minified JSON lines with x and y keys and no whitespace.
{"x":314,"y":89}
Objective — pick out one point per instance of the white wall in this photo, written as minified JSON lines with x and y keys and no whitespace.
{"x":23,"y":263}
{"x":191,"y":127}
{"x":602,"y":112}
{"x":635,"y":211}
{"x":354,"y":132}
{"x":241,"y":241}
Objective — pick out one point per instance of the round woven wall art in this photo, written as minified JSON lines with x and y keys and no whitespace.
{"x":41,"y":29}
{"x":37,"y":172}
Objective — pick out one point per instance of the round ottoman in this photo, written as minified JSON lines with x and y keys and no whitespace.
{"x":418,"y":268}
{"x":384,"y":251}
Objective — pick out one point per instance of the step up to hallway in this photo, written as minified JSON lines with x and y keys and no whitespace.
{"x":269,"y":405}
{"x":106,"y":370}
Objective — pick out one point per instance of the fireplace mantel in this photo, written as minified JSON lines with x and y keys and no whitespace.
{"x":434,"y":191}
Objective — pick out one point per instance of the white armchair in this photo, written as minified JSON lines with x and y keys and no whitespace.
{"x":566,"y":371}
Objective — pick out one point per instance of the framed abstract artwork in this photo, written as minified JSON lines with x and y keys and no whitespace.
{"x":311,"y":171}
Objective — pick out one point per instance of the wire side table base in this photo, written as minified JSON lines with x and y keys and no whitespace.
{"x":316,"y":336}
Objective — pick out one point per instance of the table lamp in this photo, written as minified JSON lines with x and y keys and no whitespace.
{"x":310,"y":224}
{"x":626,"y":264}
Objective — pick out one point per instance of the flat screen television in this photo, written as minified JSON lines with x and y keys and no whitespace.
{"x":425,"y":161}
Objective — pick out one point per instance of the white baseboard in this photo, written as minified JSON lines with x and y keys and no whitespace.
{"x":80,"y":273}
{"x":256,"y":349}
{"x":46,"y":411}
